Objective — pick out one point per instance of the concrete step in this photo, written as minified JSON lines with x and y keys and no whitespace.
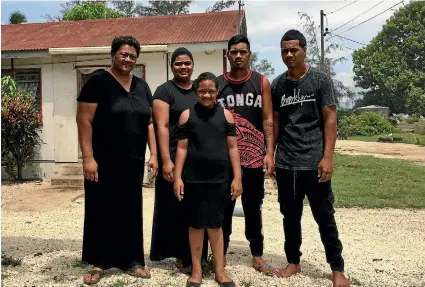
{"x":71,"y":169}
{"x":68,"y":180}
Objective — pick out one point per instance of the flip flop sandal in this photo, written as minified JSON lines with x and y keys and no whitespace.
{"x":92,"y":273}
{"x":133,"y":272}
{"x":268,"y":268}
{"x":225,"y":284}
{"x":192,"y":284}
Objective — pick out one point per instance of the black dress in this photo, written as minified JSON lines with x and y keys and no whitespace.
{"x":170,"y":229}
{"x":113,"y":229}
{"x":207,"y":170}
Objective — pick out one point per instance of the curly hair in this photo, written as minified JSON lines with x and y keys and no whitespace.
{"x":124,"y":40}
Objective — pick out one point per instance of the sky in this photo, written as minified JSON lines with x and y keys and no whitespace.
{"x":267,"y":21}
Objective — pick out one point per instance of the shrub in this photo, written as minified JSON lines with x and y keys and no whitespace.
{"x":340,"y":114}
{"x":419,"y":127}
{"x":365,"y":124}
{"x":20,"y":127}
{"x":413,"y":119}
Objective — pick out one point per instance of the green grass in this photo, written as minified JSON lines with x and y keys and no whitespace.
{"x":366,"y":181}
{"x":408,"y":137}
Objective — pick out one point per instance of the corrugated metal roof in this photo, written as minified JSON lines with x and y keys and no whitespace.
{"x":152,"y":30}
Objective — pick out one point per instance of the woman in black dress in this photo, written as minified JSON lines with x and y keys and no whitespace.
{"x":114,"y":124}
{"x":208,"y":151}
{"x":169,"y":230}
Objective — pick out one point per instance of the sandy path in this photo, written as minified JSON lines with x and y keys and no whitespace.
{"x":384,"y":150}
{"x":381,"y":248}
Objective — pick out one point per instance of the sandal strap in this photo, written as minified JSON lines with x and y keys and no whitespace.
{"x":95,"y":272}
{"x":267,"y":267}
{"x":138,"y":266}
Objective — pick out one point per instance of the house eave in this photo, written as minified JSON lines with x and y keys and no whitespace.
{"x":102,"y":50}
{"x":21,"y":54}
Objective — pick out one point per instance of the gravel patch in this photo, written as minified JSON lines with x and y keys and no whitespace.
{"x":381,"y":248}
{"x":410,"y":152}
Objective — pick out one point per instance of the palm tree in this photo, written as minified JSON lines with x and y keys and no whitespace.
{"x":17,"y":18}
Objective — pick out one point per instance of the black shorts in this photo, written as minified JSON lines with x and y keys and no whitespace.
{"x":205,"y":204}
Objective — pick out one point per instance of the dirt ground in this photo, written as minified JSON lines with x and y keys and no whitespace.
{"x":42,"y":225}
{"x":410,"y":152}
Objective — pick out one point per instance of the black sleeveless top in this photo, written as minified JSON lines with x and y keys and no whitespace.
{"x":178,"y":100}
{"x":244,"y":100}
{"x":207,"y":159}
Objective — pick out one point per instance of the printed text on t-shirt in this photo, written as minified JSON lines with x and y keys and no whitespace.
{"x":296,"y":99}
{"x":241,"y":100}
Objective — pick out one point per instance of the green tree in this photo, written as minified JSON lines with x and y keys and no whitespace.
{"x":91,"y":10}
{"x":391,"y":67}
{"x":220,"y":5}
{"x":157,"y":8}
{"x":20,"y":128}
{"x":313,"y":54}
{"x":262,"y":66}
{"x":127,"y":8}
{"x":17,"y":17}
{"x":66,"y":7}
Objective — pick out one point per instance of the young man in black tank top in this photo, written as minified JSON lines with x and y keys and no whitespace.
{"x":304,"y":104}
{"x":247,"y":95}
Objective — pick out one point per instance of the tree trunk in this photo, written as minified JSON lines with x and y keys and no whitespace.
{"x":19,"y":169}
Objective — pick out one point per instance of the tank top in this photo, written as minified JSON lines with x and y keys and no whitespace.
{"x":244,"y":100}
{"x":207,"y":159}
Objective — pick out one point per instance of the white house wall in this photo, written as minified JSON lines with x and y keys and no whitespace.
{"x":65,"y":107}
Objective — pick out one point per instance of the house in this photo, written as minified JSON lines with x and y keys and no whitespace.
{"x":53,"y":60}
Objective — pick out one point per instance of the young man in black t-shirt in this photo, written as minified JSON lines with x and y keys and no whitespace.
{"x":247,"y":95}
{"x":304,"y":105}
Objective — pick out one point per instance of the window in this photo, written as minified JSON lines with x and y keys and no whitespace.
{"x":28,"y":80}
{"x":84,"y":73}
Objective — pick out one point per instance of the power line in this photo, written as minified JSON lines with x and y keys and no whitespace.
{"x":348,"y":39}
{"x":341,"y":45}
{"x":357,"y":16}
{"x":343,"y":7}
{"x":370,"y":18}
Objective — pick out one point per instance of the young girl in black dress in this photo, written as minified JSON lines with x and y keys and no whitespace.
{"x":207,"y":159}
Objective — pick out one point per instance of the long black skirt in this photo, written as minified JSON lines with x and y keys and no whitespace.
{"x":170,"y":230}
{"x":113,"y":224}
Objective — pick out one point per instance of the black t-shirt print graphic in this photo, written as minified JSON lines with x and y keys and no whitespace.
{"x":300,"y":141}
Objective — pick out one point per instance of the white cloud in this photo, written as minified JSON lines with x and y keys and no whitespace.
{"x":267,"y":21}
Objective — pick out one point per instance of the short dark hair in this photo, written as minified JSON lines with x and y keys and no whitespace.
{"x":204,"y":77}
{"x":238,"y":39}
{"x":124,"y":40}
{"x":294,"y":35}
{"x":181,"y":51}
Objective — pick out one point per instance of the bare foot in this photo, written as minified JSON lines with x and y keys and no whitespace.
{"x":261,"y":266}
{"x":196,"y":276}
{"x":339,"y":279}
{"x":288,"y":271}
{"x":222,"y":278}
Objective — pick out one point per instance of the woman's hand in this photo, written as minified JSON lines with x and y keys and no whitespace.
{"x":168,"y":171}
{"x":153,"y":166}
{"x":179,"y":188}
{"x":90,"y":169}
{"x":236,"y":188}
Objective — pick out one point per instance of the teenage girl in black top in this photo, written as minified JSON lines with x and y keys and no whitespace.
{"x":207,"y":155}
{"x":169,"y":101}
